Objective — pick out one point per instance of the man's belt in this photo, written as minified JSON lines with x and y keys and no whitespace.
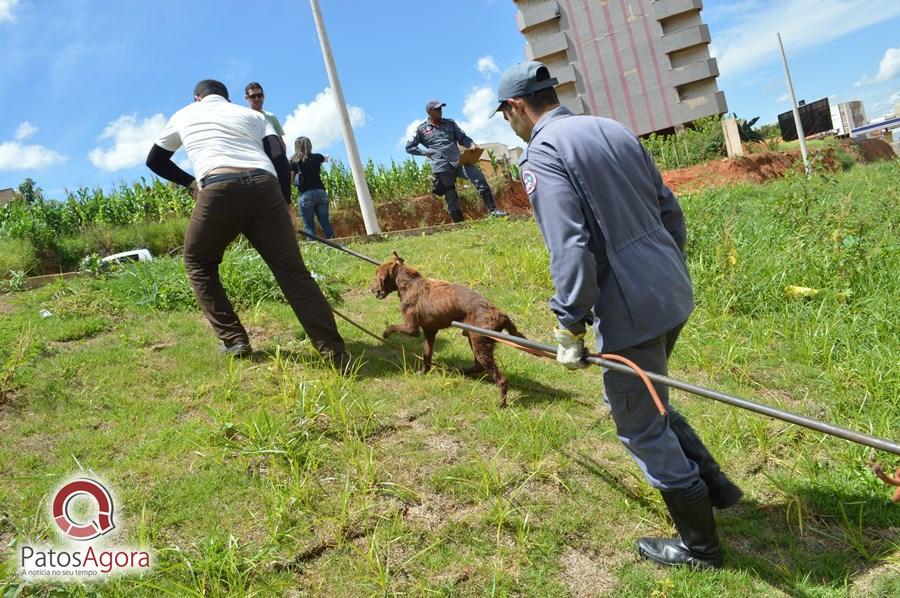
{"x":244,"y":176}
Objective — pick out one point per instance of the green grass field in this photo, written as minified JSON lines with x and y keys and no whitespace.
{"x":275,"y":476}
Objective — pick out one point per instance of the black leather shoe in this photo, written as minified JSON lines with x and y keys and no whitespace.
{"x":698,"y":544}
{"x":673,"y":552}
{"x":238,"y":349}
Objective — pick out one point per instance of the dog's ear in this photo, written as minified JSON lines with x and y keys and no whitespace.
{"x":397,"y":257}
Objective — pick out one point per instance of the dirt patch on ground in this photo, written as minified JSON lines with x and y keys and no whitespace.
{"x":6,"y":306}
{"x":588,"y":576}
{"x":862,"y":585}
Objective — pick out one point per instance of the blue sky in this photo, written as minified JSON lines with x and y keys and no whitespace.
{"x":86,"y":84}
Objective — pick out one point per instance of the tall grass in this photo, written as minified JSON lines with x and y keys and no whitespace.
{"x":700,"y":143}
{"x":386,"y":183}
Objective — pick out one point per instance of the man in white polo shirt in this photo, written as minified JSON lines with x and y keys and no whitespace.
{"x":242,"y":187}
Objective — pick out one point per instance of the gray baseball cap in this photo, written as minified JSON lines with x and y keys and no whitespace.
{"x":523,"y":79}
{"x":434,"y":104}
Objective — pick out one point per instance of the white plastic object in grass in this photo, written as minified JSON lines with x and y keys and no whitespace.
{"x":137,"y":255}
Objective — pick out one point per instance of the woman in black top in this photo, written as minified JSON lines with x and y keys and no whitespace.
{"x":313,"y":198}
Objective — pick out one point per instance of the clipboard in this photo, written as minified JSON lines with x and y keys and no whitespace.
{"x":470,"y":156}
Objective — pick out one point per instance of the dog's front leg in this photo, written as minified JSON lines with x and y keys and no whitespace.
{"x":410,"y":326}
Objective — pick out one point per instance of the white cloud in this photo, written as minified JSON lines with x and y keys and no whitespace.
{"x":24,"y":131}
{"x":486,"y":66}
{"x":895,"y":97}
{"x":410,"y":131}
{"x":15,"y":156}
{"x":804,"y":24}
{"x":320,"y":121}
{"x":132,"y":140}
{"x":783,"y":99}
{"x":6,"y":10}
{"x":888,"y":68}
{"x":478,"y":124}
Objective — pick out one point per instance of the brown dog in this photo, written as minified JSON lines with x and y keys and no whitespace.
{"x":432,"y":304}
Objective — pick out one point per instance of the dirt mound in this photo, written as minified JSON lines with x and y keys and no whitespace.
{"x":755,"y":168}
{"x":764,"y":166}
{"x":872,"y":150}
{"x":426,"y":210}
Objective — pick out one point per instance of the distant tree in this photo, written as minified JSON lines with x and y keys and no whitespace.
{"x":30,"y":192}
{"x":769,"y":131}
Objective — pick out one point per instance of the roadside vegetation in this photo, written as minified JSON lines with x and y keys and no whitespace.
{"x":40,"y":235}
{"x":275,"y":476}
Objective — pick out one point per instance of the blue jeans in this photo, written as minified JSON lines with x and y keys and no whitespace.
{"x":314,"y":204}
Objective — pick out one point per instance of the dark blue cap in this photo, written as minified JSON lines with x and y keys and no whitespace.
{"x":523,"y":79}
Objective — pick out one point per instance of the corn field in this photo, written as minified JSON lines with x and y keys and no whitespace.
{"x":397,"y":181}
{"x":701,"y":143}
{"x":37,"y":218}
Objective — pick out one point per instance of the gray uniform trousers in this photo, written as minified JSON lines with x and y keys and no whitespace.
{"x":644,"y":432}
{"x":447,"y":184}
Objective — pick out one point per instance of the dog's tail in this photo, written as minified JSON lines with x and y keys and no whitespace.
{"x":507,"y":324}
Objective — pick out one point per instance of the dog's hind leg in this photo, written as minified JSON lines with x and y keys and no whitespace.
{"x":427,"y":350}
{"x":477,"y":368}
{"x":484,"y":355}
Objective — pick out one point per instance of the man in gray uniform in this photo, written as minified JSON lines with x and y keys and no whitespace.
{"x":615,"y":234}
{"x":441,"y":138}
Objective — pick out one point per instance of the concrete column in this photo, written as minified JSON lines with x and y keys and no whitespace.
{"x":732,"y":137}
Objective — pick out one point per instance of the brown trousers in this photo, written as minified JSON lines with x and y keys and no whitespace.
{"x":255,"y":208}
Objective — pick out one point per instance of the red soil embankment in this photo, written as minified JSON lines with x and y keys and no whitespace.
{"x":428,"y":210}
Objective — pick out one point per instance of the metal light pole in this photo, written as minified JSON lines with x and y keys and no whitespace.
{"x":800,"y":134}
{"x":359,"y":176}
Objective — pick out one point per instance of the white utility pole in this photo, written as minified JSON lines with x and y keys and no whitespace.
{"x":359,"y":175}
{"x":800,"y":134}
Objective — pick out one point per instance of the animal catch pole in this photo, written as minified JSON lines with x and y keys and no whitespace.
{"x":800,"y":420}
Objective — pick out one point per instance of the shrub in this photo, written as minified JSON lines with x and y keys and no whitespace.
{"x":16,"y":254}
{"x":702,"y":142}
{"x":162,"y":284}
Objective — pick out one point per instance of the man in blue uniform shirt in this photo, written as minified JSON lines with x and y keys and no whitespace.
{"x":615,"y":234}
{"x":441,"y":138}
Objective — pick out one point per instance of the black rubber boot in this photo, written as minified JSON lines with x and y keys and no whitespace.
{"x":456,"y":216}
{"x":698,"y":544}
{"x":723,"y":493}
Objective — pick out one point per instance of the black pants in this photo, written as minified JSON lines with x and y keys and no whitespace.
{"x":255,"y":208}
{"x":445,"y":184}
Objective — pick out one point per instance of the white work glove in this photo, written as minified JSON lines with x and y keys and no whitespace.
{"x":570,"y":349}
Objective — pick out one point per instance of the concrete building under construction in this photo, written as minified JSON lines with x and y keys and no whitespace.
{"x":645,"y":63}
